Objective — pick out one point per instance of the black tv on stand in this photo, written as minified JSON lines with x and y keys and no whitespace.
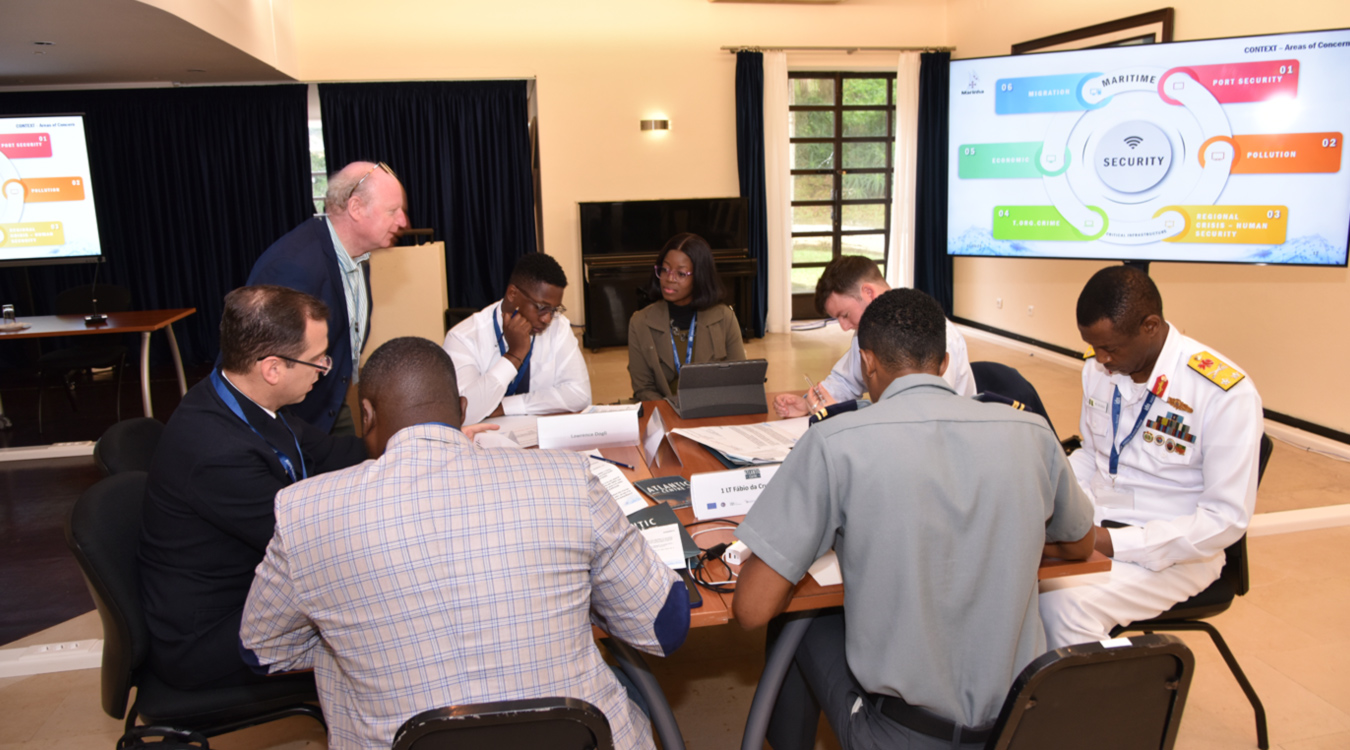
{"x":620,"y":241}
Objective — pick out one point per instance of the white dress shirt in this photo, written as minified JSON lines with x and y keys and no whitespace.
{"x":845,"y":381}
{"x":559,"y":381}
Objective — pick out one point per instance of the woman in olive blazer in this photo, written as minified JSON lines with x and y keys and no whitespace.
{"x":690,"y":308}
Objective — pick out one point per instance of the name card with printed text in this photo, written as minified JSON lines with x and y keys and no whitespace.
{"x":718,"y":494}
{"x":580,"y":431}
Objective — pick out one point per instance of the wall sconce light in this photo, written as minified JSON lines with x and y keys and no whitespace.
{"x":655,"y":124}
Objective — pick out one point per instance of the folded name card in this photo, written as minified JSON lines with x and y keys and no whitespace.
{"x":718,"y":494}
{"x":579,"y":431}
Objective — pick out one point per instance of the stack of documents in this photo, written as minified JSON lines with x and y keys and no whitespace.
{"x":750,"y":444}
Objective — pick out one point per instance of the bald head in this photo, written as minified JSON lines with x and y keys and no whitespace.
{"x":407,"y":381}
{"x":366,"y":205}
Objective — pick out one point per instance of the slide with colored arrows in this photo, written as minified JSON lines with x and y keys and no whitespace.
{"x":1225,"y":150}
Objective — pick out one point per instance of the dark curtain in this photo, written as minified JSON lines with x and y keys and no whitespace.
{"x":462,"y":151}
{"x":191,"y":185}
{"x":932,"y":264}
{"x":750,"y":164}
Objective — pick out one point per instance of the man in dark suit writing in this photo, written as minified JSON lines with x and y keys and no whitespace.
{"x":326,"y":257}
{"x":230,"y":446}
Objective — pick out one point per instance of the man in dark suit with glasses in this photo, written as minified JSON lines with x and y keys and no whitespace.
{"x":229,"y":447}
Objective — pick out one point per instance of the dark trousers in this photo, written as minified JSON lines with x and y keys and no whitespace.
{"x":820,"y":679}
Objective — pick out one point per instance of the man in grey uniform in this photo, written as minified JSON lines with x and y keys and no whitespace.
{"x":939,"y":508}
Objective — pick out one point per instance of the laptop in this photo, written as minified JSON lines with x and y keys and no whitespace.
{"x":721,"y":389}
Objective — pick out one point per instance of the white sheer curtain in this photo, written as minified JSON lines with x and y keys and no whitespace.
{"x":900,"y":269}
{"x":778,"y":189}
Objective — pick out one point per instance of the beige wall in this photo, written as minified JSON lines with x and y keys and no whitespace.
{"x":1284,"y":326}
{"x":601,"y":66}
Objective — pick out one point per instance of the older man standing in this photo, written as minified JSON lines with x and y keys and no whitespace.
{"x":326,"y":256}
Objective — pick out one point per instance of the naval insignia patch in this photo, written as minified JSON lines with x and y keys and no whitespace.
{"x":1215,"y":370}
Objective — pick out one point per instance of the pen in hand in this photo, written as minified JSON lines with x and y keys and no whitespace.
{"x":812,"y":393}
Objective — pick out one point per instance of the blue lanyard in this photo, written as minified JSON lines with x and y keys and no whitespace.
{"x":688,"y":352}
{"x":1115,"y":425}
{"x":501,"y":346}
{"x":233,"y":403}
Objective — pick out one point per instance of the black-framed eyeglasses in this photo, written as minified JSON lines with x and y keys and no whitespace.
{"x":324,"y":364}
{"x":544,"y":310}
{"x":663,"y":272}
{"x":378,"y":165}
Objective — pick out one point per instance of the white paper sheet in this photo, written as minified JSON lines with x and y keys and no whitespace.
{"x":603,"y":408}
{"x":522,"y":430}
{"x":666,"y":541}
{"x":495,"y":439}
{"x":624,"y":492}
{"x":765,"y":442}
{"x":826,"y":570}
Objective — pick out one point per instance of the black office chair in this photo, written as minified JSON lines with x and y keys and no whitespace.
{"x":89,"y":352}
{"x":1125,"y":697}
{"x":103,"y":532}
{"x":128,"y":445}
{"x":1000,"y":379}
{"x":1218,"y":597}
{"x":544,"y":723}
{"x":1083,"y":692}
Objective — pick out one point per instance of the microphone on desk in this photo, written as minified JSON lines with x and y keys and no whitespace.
{"x":95,"y":318}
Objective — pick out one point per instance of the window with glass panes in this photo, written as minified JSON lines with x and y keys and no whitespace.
{"x":318,"y":165}
{"x":842,"y":141}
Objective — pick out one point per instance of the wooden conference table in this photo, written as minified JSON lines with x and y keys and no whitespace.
{"x":143,"y":322}
{"x":687,"y":459}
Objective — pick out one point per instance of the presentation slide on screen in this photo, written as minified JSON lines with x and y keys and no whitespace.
{"x":46,"y":208}
{"x":1225,"y":150}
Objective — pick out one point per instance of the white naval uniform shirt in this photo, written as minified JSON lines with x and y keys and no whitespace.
{"x":559,"y":381}
{"x":845,"y":381}
{"x":1181,"y":504}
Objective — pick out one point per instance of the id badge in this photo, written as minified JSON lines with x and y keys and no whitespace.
{"x":1110,"y":496}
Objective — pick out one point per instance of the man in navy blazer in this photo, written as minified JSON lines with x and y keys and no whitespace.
{"x":325,"y":257}
{"x":229,"y":447}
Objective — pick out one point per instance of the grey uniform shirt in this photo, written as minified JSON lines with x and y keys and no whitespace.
{"x":938,"y":507}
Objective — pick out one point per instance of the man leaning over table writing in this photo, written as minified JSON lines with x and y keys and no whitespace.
{"x":939,"y":508}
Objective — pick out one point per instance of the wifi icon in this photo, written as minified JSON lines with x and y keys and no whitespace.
{"x":1133,"y":141}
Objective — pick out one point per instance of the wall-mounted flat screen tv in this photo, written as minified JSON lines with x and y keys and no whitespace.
{"x":623,"y":227}
{"x":1223,"y":150}
{"x":46,"y":204}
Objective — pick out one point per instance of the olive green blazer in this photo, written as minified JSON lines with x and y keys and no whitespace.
{"x":651,"y":366}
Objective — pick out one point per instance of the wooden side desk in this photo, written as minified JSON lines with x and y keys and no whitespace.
{"x":143,"y":322}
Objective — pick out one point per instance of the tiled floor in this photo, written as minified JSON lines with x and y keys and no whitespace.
{"x":1291,"y":632}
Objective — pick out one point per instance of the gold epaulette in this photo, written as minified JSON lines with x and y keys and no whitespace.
{"x":1215,"y":370}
